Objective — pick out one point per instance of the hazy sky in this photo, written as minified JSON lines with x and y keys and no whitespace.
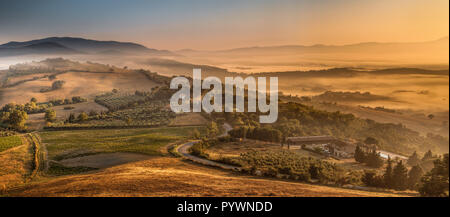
{"x":222,"y":24}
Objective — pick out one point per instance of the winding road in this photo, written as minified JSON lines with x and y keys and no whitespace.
{"x":184,"y":150}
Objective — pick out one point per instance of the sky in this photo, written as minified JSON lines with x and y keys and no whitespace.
{"x":225,"y":24}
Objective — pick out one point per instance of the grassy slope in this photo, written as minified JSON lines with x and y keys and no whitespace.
{"x":68,"y":144}
{"x":9,"y":142}
{"x":163,"y":176}
{"x":76,"y":86}
{"x":15,"y":166}
{"x":158,"y":176}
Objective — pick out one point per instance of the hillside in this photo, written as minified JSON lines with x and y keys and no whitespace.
{"x":40,"y":48}
{"x":77,"y":45}
{"x":163,"y":176}
{"x":116,"y":122}
{"x":24,"y":81}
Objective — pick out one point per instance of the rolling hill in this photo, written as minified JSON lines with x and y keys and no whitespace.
{"x":440,"y":45}
{"x":42,"y":48}
{"x":70,"y":45}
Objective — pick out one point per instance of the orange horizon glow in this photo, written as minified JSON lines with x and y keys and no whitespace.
{"x":214,"y":25}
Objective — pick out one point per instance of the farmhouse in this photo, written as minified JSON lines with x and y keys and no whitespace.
{"x":327,"y":145}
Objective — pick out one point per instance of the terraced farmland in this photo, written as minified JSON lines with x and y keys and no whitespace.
{"x":116,"y":101}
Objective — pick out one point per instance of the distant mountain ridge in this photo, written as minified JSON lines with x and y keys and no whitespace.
{"x":70,"y":45}
{"x":367,"y":46}
{"x":37,"y":48}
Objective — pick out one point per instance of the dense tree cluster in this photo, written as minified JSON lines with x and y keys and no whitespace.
{"x":260,"y":133}
{"x":34,"y":107}
{"x":212,"y":129}
{"x":395,"y":177}
{"x":436,"y":181}
{"x":50,"y":115}
{"x":426,"y":162}
{"x":55,"y":86}
{"x":13,"y":116}
{"x":296,"y":119}
{"x":293,"y":166}
{"x":371,"y":158}
{"x":82,"y":117}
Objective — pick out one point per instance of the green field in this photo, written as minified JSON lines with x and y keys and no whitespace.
{"x":9,"y":142}
{"x":69,"y":144}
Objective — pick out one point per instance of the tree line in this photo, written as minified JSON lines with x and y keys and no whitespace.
{"x":260,"y":133}
{"x":434,"y":183}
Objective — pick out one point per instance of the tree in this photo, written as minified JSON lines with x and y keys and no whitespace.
{"x":212,"y":129}
{"x":436,"y":182}
{"x":374,"y":159}
{"x":434,"y":186}
{"x":17,"y":119}
{"x":71,"y":118}
{"x":414,"y":176}
{"x":83,"y":117}
{"x":371,"y":179}
{"x":360,"y":156}
{"x":50,"y":115}
{"x":78,"y":99}
{"x":428,"y":155}
{"x":413,"y":160}
{"x":389,"y":175}
{"x":33,"y":100}
{"x":400,"y":176}
{"x":57,"y":84}
{"x":430,"y":116}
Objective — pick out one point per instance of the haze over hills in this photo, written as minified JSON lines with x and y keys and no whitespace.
{"x":431,"y":55}
{"x":70,"y":45}
{"x":372,"y":55}
{"x":364,"y":47}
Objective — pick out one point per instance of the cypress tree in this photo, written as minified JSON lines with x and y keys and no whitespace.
{"x":388,"y":175}
{"x":360,"y":156}
{"x":414,"y":176}
{"x":435,"y":182}
{"x":427,"y":155}
{"x":400,"y":176}
{"x":374,"y":159}
{"x":413,"y":160}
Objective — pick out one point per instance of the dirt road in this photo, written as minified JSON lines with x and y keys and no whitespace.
{"x":184,"y":150}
